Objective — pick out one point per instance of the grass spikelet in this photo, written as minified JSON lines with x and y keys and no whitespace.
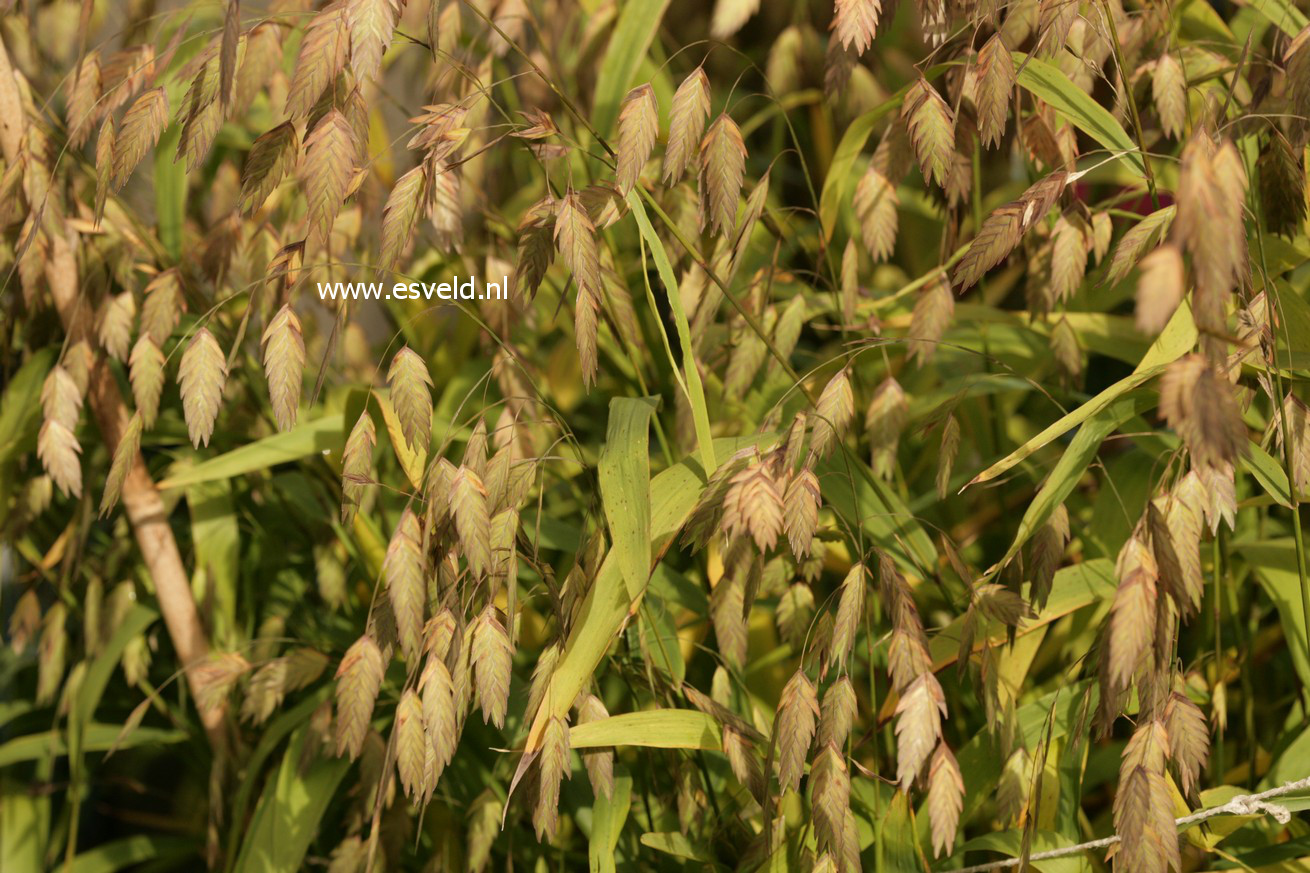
{"x":115,"y":329}
{"x":727,"y":608}
{"x":279,"y":677}
{"x":575,"y":237}
{"x":1298,"y":434}
{"x":1066,"y":349}
{"x":855,"y":23}
{"x":326,"y":168}
{"x":1002,"y":230}
{"x":782,"y":70}
{"x":1048,"y":547}
{"x":1296,"y":60}
{"x":604,"y":204}
{"x":832,"y":414}
{"x":850,"y":280}
{"x":1282,"y":184}
{"x":931,"y":125}
{"x":1132,"y":619}
{"x":542,"y":672}
{"x":163,"y":307}
{"x":1183,"y":521}
{"x":837,"y":713}
{"x":586,"y":314}
{"x":1189,"y":740}
{"x":409,"y":740}
{"x":1199,"y":404}
{"x":794,"y":612}
{"x":201,"y":378}
{"x":260,"y":62}
{"x":1211,"y":198}
{"x":411,"y":396}
{"x":1055,"y":18}
{"x":202,"y":114}
{"x":61,"y":399}
{"x":1167,"y":559}
{"x":536,"y":248}
{"x":1160,"y":288}
{"x":1140,"y":239}
{"x":687,"y":120}
{"x":146,"y":369}
{"x":129,"y":442}
{"x":284,"y":365}
{"x":492,"y":656}
{"x":403,"y":568}
{"x":503,"y":566}
{"x":723,"y":166}
{"x":850,"y":612}
{"x":919,"y":715}
{"x":831,"y":793}
{"x":441,"y":476}
{"x":1169,"y":90}
{"x":744,"y":760}
{"x":800,"y":509}
{"x":137,"y":134}
{"x":554,"y":764}
{"x":950,"y":447}
{"x":264,"y":692}
{"x":227,"y":56}
{"x":876,"y":206}
{"x":798,"y":710}
{"x":1070,"y":245}
{"x":883,"y":424}
{"x":468,"y":504}
{"x":1143,"y":808}
{"x":105,"y":145}
{"x":84,"y":89}
{"x":933,"y":311}
{"x":52,"y":653}
{"x":439,"y":715}
{"x":271,"y":157}
{"x":359,"y":677}
{"x":753,"y":506}
{"x":599,"y":762}
{"x":405,"y":207}
{"x":357,"y":465}
{"x":996,"y":78}
{"x":214,"y":679}
{"x":447,"y":215}
{"x":945,"y":799}
{"x":730,"y":15}
{"x":322,"y":56}
{"x":372,"y":24}
{"x":639,"y":123}
{"x":58,"y":450}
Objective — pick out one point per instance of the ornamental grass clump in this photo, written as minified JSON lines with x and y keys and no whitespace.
{"x":889,"y":453}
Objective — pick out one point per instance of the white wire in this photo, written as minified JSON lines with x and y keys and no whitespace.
{"x":1243,"y":804}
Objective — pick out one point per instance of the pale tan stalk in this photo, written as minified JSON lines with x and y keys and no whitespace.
{"x":141,"y":501}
